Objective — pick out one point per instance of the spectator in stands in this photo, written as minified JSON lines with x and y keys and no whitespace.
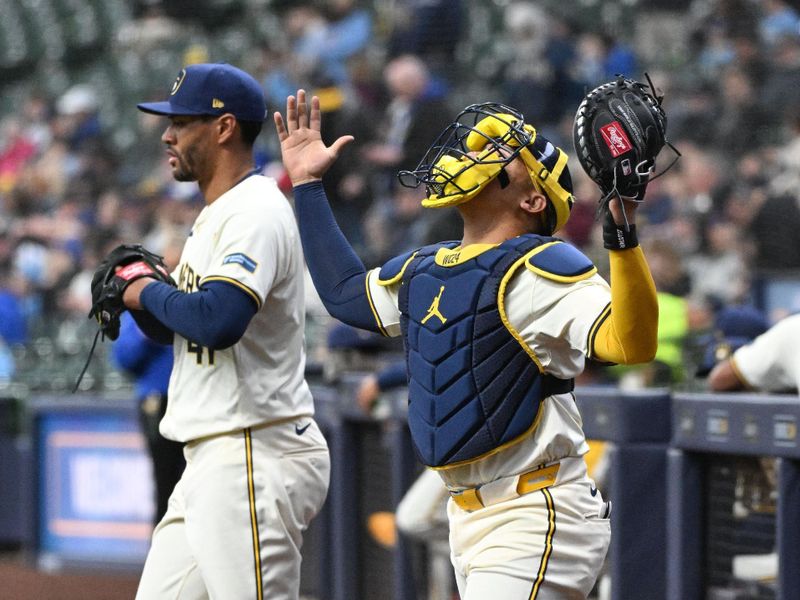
{"x":13,"y":320}
{"x":718,"y":269}
{"x":774,"y":231}
{"x":778,"y":20}
{"x":431,"y":30}
{"x":717,"y":51}
{"x":782,"y":78}
{"x":414,"y":109}
{"x":78,"y":118}
{"x":16,"y":150}
{"x":348,"y":31}
{"x":322,"y":39}
{"x":620,"y":58}
{"x":739,"y":110}
{"x":526,"y":72}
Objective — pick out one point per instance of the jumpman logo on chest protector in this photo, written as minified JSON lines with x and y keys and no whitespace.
{"x":433,"y":310}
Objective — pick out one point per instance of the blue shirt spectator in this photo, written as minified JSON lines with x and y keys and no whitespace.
{"x":13,"y":325}
{"x":150,"y":363}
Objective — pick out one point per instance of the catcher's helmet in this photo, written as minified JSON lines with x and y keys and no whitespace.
{"x":475,"y":149}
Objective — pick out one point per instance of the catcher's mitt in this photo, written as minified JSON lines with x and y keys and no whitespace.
{"x":124,"y":265}
{"x":619,"y":130}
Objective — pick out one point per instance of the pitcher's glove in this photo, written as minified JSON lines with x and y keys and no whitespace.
{"x":619,"y":130}
{"x":124,"y":265}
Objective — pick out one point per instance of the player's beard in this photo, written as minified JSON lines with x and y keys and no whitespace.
{"x":186,"y":167}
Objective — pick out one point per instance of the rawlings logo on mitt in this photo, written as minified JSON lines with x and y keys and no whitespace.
{"x":619,"y":129}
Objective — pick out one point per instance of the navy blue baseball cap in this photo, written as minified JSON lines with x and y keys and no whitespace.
{"x":212,"y":89}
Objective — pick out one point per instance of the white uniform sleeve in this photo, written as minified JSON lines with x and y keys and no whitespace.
{"x":772,"y":361}
{"x":554,"y":318}
{"x":384,"y":304}
{"x":248,"y":252}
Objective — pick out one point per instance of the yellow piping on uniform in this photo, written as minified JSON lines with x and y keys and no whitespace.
{"x":552,"y":276}
{"x":493,"y":451}
{"x":738,"y":373}
{"x":235,"y":282}
{"x":548,"y":543}
{"x":561,"y":278}
{"x":595,"y":327}
{"x":501,"y":294}
{"x":251,"y":492}
{"x":399,"y":276}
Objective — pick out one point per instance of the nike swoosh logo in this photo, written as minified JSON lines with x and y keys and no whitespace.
{"x":301,"y":430}
{"x":593,"y":491}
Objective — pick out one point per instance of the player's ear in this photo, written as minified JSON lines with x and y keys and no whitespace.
{"x":534,"y":202}
{"x":225,"y":128}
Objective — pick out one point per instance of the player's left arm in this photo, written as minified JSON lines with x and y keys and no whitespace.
{"x":626,"y":332}
{"x":215,"y":316}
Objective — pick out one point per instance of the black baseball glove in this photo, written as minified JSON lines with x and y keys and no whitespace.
{"x":124,"y":265}
{"x":619,"y":130}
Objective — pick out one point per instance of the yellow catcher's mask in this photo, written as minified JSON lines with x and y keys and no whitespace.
{"x":475,"y":149}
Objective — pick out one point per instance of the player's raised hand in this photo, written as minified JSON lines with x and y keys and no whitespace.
{"x":305,"y":156}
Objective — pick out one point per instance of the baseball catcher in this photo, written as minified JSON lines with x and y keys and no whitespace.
{"x":125,"y":264}
{"x":619,"y":129}
{"x":496,"y":326}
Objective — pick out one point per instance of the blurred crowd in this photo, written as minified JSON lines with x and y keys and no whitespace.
{"x":723,"y":216}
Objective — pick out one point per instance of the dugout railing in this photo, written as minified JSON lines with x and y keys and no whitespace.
{"x":708,"y":428}
{"x":684,"y":469}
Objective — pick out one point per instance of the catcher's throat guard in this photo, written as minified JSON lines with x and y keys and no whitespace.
{"x":475,"y":149}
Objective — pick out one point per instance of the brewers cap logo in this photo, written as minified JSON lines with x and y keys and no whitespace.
{"x":178,"y":81}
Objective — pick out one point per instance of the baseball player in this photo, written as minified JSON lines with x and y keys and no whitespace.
{"x":257,"y":465}
{"x":496,"y":326}
{"x":771,"y":362}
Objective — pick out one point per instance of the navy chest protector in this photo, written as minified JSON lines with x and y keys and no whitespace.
{"x":473,"y":386}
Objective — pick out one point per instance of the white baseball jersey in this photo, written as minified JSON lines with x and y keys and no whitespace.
{"x":247,"y":237}
{"x":554,"y":321}
{"x":771,"y":362}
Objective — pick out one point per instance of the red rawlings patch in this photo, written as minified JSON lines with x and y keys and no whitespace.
{"x":615,"y":138}
{"x":135,"y":269}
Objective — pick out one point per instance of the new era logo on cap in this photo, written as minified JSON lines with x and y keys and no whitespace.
{"x":212,"y":89}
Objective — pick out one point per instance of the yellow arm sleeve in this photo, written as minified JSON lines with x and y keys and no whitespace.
{"x":626,"y":332}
